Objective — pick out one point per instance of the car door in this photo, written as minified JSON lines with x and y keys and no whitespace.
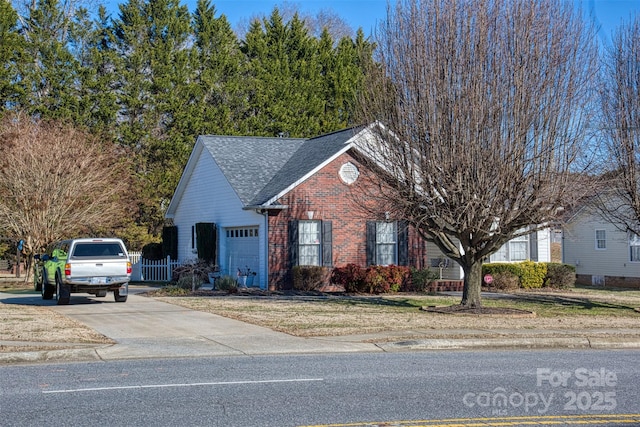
{"x":57,"y":260}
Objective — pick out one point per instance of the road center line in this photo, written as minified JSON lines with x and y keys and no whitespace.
{"x":133,"y":387}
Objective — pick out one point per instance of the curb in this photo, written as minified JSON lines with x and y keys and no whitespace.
{"x":49,"y":356}
{"x":503,"y":343}
{"x":91,"y":353}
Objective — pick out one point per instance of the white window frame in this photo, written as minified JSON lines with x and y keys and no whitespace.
{"x":309,"y":242}
{"x":634,"y":247}
{"x":507,"y":251}
{"x":601,"y":241}
{"x":386,"y":241}
{"x":517,"y":242}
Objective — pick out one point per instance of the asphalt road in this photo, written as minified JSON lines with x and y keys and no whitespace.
{"x":361,"y":389}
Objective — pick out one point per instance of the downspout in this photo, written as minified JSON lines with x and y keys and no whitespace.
{"x":265,"y":213}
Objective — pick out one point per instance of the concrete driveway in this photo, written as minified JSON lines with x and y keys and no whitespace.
{"x":143,"y":327}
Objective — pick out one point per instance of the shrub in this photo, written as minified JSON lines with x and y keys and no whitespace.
{"x":193,"y":274}
{"x":373,"y":280}
{"x":502,"y":267}
{"x":350,"y":276}
{"x":421,"y":279}
{"x":398,"y":277}
{"x":505,"y":281}
{"x":227,"y":283}
{"x":309,"y":278}
{"x":533,"y":274}
{"x":189,"y":282}
{"x":560,"y":276}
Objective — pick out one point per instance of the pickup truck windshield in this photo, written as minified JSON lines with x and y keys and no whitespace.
{"x":98,"y":249}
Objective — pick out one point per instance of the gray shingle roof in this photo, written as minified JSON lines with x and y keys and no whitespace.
{"x":261,"y":168}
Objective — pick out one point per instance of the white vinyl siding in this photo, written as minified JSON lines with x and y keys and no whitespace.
{"x":208,"y":197}
{"x":579,"y":248}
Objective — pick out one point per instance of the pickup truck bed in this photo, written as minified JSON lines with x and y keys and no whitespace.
{"x":94,"y":266}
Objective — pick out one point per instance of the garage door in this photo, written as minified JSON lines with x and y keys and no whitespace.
{"x":242,"y":249}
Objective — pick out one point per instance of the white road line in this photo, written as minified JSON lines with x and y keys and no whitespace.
{"x":133,"y":387}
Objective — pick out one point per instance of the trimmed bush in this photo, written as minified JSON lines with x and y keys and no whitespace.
{"x":560,"y":276}
{"x":502,"y":267}
{"x":309,"y":278}
{"x":351,"y":277}
{"x":530,"y":275}
{"x":505,"y":281}
{"x":376,"y":279}
{"x":421,"y":279}
{"x":533,"y":274}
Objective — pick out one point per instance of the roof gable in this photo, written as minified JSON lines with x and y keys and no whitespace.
{"x":312,"y":155}
{"x":249,"y":163}
{"x":260,"y":169}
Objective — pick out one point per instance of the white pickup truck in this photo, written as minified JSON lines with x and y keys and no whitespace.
{"x":94,"y":266}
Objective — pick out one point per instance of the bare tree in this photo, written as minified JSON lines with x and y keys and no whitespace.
{"x":484,"y":106}
{"x":620,"y":101}
{"x":57,"y":182}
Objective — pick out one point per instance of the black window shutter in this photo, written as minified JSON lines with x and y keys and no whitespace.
{"x":206,"y":241}
{"x":327,"y":244}
{"x":403,"y":243}
{"x":533,"y":246}
{"x":371,"y":243}
{"x":293,"y":243}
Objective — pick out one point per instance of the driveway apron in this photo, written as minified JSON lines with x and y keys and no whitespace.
{"x":144,"y":327}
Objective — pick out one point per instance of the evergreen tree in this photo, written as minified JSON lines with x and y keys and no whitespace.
{"x":219,"y":90}
{"x":49,"y":72}
{"x":99,"y":65}
{"x":10,"y":51}
{"x":284,"y":77}
{"x":153,"y":40}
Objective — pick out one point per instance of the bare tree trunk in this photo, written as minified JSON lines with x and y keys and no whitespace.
{"x":472,"y":285}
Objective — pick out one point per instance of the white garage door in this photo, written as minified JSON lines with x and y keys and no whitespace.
{"x":242,"y":249}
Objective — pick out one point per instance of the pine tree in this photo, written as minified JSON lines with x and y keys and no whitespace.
{"x":11,"y":45}
{"x":49,"y":71}
{"x":153,"y":40}
{"x":284,"y":77}
{"x":99,"y":65}
{"x":219,"y":93}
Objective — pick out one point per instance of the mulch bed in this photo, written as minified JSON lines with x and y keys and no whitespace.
{"x":480,"y":311}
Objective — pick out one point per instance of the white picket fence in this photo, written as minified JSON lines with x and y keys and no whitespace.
{"x":151,"y":270}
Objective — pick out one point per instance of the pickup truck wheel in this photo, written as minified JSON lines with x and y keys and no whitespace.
{"x":118,"y":297}
{"x":46,"y":289}
{"x":62,"y":293}
{"x":101,"y":294}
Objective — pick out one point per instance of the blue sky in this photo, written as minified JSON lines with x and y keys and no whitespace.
{"x":367,"y":13}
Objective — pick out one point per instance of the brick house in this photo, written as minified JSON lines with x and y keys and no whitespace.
{"x":268,"y":204}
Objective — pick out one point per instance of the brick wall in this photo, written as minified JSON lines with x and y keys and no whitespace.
{"x":348,"y":207}
{"x":610,"y":281}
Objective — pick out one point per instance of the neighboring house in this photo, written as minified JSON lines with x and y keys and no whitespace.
{"x":535,"y":246}
{"x":269,"y":204}
{"x":602,"y":254}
